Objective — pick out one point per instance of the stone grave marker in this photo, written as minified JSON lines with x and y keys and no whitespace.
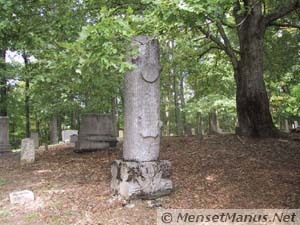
{"x":96,"y":132}
{"x":140,"y":174}
{"x":21,"y":197}
{"x":27,"y":151}
{"x":66,"y":135}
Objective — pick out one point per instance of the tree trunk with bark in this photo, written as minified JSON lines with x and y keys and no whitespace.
{"x":3,"y":85}
{"x":53,"y":130}
{"x":251,"y":97}
{"x":213,"y":123}
{"x":253,"y":111}
{"x":182,"y":101}
{"x":27,"y":96}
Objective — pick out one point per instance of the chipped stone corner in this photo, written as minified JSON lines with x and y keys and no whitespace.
{"x":146,"y":180}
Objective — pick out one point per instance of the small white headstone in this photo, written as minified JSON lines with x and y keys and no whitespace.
{"x":66,"y":135}
{"x":21,"y":197}
{"x":27,"y":151}
{"x":121,"y":133}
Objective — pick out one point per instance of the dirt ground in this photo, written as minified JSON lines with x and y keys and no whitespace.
{"x":217,"y":172}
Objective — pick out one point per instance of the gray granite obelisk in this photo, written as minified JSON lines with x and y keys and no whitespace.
{"x":140,"y":174}
{"x":4,"y":134}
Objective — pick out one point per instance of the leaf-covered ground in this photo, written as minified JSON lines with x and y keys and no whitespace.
{"x":217,"y":172}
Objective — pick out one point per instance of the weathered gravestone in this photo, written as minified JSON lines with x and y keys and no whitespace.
{"x":27,"y":151}
{"x":66,"y":135}
{"x":35,"y":137}
{"x":96,"y":132}
{"x":21,"y":197}
{"x":140,"y":174}
{"x":4,"y":134}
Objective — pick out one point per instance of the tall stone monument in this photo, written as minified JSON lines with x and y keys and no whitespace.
{"x":140,"y":174}
{"x":4,"y":134}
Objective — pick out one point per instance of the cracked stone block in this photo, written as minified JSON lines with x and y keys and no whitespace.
{"x":146,"y":180}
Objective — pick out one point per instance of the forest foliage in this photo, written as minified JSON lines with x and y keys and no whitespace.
{"x":76,"y":53}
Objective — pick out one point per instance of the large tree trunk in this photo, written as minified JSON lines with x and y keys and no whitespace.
{"x":3,"y":87}
{"x":253,"y":111}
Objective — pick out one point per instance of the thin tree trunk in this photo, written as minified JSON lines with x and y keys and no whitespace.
{"x":27,"y":96}
{"x":167,"y":115}
{"x":53,"y":130}
{"x":3,"y":85}
{"x":59,"y":127}
{"x":213,"y":123}
{"x":173,"y":75}
{"x":199,"y":126}
{"x":182,"y":100}
{"x":114,"y":113}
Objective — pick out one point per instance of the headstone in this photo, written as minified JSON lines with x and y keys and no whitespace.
{"x":21,"y":197}
{"x":4,"y":134}
{"x":193,"y":131}
{"x":96,"y":132}
{"x":35,"y":137}
{"x":74,"y":138}
{"x":66,"y":135}
{"x":27,"y":151}
{"x":121,"y":133}
{"x":140,"y":174}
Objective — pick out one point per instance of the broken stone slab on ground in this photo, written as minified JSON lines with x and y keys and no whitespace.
{"x":96,"y":132}
{"x":27,"y":151}
{"x":21,"y":197}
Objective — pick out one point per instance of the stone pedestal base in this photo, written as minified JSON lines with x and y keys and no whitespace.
{"x":5,"y":148}
{"x":146,"y":180}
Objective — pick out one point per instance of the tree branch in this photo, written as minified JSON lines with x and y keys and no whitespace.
{"x":207,"y":51}
{"x":285,"y":25}
{"x":225,"y":47}
{"x":228,"y":47}
{"x":281,"y":12}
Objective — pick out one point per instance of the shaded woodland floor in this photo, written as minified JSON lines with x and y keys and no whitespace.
{"x":218,"y":172}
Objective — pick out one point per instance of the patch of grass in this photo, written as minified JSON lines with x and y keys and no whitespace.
{"x":5,"y":213}
{"x":2,"y":182}
{"x":56,"y":220}
{"x":32,"y":217}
